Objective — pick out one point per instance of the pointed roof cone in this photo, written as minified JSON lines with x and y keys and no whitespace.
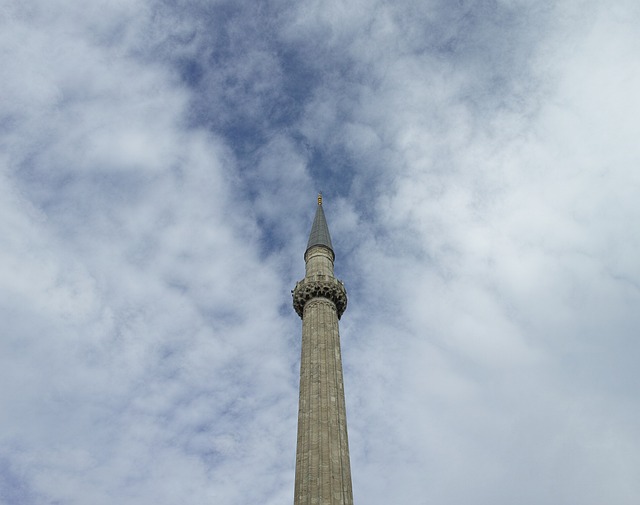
{"x":319,"y":230}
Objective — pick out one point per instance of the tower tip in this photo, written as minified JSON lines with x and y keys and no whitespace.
{"x":319,"y":230}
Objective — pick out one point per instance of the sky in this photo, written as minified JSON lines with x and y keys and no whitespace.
{"x":159,"y":166}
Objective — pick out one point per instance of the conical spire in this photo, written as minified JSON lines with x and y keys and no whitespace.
{"x":319,"y":230}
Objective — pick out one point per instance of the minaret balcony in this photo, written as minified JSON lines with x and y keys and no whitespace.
{"x":320,"y":286}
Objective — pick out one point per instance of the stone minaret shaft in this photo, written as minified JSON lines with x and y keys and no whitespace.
{"x":323,"y":473}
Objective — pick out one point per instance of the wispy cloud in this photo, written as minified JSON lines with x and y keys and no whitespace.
{"x":159,"y":166}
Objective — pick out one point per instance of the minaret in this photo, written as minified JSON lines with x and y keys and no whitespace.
{"x":323,"y":473}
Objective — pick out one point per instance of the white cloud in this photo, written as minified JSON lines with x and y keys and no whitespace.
{"x":158,"y":175}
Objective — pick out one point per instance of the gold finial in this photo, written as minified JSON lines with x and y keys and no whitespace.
{"x":319,"y":198}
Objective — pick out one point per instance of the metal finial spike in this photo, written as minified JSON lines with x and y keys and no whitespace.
{"x":319,"y":198}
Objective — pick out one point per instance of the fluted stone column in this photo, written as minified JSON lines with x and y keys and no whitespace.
{"x":323,"y":474}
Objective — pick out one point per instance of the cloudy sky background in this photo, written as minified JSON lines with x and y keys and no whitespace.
{"x":159,"y":162}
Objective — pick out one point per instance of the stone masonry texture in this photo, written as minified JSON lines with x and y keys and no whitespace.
{"x":323,"y":474}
